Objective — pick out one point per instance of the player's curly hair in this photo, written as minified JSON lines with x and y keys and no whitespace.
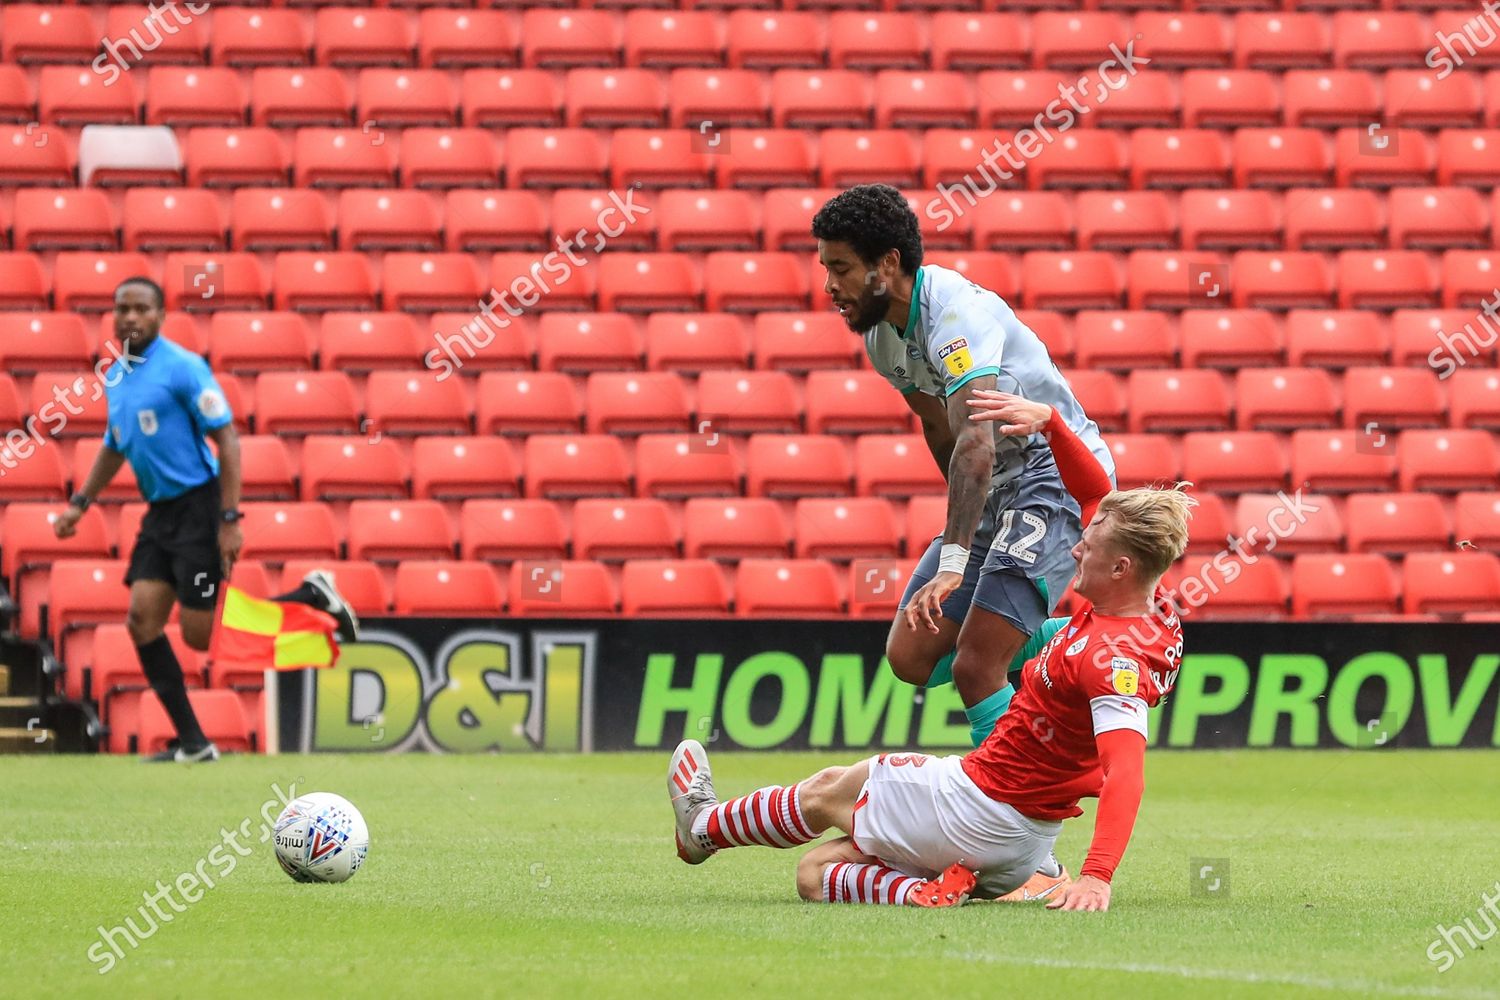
{"x":872,"y":218}
{"x":1151,"y":524}
{"x":161,"y":297}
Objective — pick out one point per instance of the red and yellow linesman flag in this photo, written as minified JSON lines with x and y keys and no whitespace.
{"x":272,"y":635}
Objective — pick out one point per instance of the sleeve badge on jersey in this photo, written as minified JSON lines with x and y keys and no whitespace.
{"x":1077,"y":647}
{"x":955,"y":356}
{"x":1124,"y":675}
{"x":212,"y":404}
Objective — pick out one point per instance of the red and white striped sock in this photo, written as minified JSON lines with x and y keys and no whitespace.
{"x":850,"y":882}
{"x":770,"y":817}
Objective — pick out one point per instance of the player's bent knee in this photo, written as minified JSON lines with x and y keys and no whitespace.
{"x":909,"y":667}
{"x":810,"y":878}
{"x":142,"y":629}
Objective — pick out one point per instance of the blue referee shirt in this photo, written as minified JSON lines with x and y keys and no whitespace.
{"x":159,"y":411}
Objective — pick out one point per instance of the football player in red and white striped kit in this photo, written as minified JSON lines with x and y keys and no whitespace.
{"x":933,"y":831}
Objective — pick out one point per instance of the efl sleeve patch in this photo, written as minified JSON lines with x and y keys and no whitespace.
{"x":1113,"y":712}
{"x":1124,"y":675}
{"x":213,"y":405}
{"x":956,"y":358}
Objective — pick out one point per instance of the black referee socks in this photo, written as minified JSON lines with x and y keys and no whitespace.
{"x":165,"y":675}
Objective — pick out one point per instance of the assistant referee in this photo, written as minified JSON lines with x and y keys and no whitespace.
{"x":163,"y":402}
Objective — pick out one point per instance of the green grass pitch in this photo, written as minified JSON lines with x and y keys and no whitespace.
{"x":520,"y":876}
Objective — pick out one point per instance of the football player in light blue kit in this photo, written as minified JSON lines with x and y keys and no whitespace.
{"x":1003,"y":562}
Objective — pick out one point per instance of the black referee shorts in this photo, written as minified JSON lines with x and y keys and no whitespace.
{"x":179,"y":543}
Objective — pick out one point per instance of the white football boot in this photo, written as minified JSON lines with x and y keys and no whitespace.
{"x":690,"y":783}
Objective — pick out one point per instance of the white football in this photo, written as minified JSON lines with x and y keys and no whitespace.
{"x":321,"y":837}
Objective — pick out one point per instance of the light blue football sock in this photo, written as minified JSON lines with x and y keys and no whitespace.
{"x":942,"y":671}
{"x":983,"y":716}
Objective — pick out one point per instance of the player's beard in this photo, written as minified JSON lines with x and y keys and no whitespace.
{"x":869,"y":309}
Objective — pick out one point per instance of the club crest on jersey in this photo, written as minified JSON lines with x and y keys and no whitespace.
{"x":147,"y":420}
{"x":1077,"y":647}
{"x":1124,"y":675}
{"x":955,"y":356}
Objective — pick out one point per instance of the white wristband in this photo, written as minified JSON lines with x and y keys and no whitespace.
{"x":955,"y":559}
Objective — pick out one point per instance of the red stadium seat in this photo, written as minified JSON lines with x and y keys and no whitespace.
{"x":1341,"y":461}
{"x":206,"y":282}
{"x":1333,"y":220}
{"x":124,"y":486}
{"x":853,"y":402}
{"x":1338,"y":584}
{"x":555,"y":39}
{"x":762,"y":158}
{"x":113,"y":666}
{"x":220,"y":714}
{"x":362,"y":37}
{"x":577,"y":209}
{"x":362,"y":342}
{"x":409,"y":402}
{"x":797,"y":465}
{"x":305,"y":403}
{"x":673,"y":588}
{"x":1447,"y":460}
{"x":492,"y":98}
{"x":448,"y":157}
{"x":1369,"y":40}
{"x":1329,"y":98}
{"x":198,"y":95}
{"x":846,"y":528}
{"x":230,"y":157}
{"x":657,"y":158}
{"x":430,"y":282}
{"x":636,"y":403}
{"x":1308,"y":523}
{"x":69,"y":95}
{"x":672,"y":466}
{"x":556,"y":589}
{"x":747,"y":402}
{"x":1437,"y":218}
{"x":1278,"y":399}
{"x":647,"y":283}
{"x":1396,"y":522}
{"x":775,"y":39}
{"x":1418,"y":98}
{"x":1286,"y":157}
{"x":31,"y":543}
{"x":519,"y":276}
{"x":1393,"y":397}
{"x":1477,"y":519}
{"x":923,"y":100}
{"x":444,"y":588}
{"x":706,"y":220}
{"x":1120,"y":341}
{"x":256,"y":342}
{"x":991,"y":270}
{"x":313,"y":95}
{"x":520,"y":403}
{"x":1228,"y":338}
{"x":449,"y":468}
{"x":78,"y":394}
{"x":1124,"y":220}
{"x":32,"y":473}
{"x":554,"y":158}
{"x":709,"y":99}
{"x":615,"y":530}
{"x":695,"y":342}
{"x":1178,"y":400}
{"x":1468,"y":277}
{"x":1474,"y":399}
{"x":35,"y":154}
{"x":561,"y":466}
{"x":1247,"y":590}
{"x":33,"y":33}
{"x":1175,"y":158}
{"x":1150,"y":99}
{"x":614,"y":98}
{"x":244,"y":36}
{"x":454,"y":39}
{"x":276,"y":532}
{"x":173,"y":219}
{"x":1466,"y":156}
{"x":1234,"y":461}
{"x":1385,"y":279}
{"x":1165,"y":279}
{"x":1085,"y":158}
{"x":1280,"y":280}
{"x":265,"y":468}
{"x":1080,"y":280}
{"x":859,"y":156}
{"x":84,"y":282}
{"x":22,"y":283}
{"x":396,"y":531}
{"x":875,"y":40}
{"x":820,"y":98}
{"x":1102,"y":396}
{"x":464,"y":342}
{"x":665,"y":39}
{"x":580,"y":343}
{"x":343,"y":157}
{"x":876,"y":586}
{"x":1281,"y":40}
{"x":1143,"y":459}
{"x":1335,"y":338}
{"x":360,"y":581}
{"x":503,"y":530}
{"x":33,"y":342}
{"x":1450,"y":583}
{"x":1382,"y":156}
{"x":1229,"y":220}
{"x":494,"y":220}
{"x":750,"y":282}
{"x":347,"y":467}
{"x":953,"y":157}
{"x":1024,"y":220}
{"x":786,"y":588}
{"x":800,"y":342}
{"x":1176,"y":40}
{"x":388,"y":220}
{"x":322,"y":281}
{"x":735,"y":528}
{"x":83,"y":594}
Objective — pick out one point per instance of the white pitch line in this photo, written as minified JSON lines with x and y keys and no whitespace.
{"x":1230,"y":975}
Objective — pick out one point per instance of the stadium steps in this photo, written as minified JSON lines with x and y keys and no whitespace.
{"x":32,"y":718}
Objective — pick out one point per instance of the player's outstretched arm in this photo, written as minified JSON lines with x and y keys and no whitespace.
{"x":1122,"y":757}
{"x":1082,"y":475}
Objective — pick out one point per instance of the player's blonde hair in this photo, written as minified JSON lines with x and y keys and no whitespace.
{"x":1151,"y":524}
